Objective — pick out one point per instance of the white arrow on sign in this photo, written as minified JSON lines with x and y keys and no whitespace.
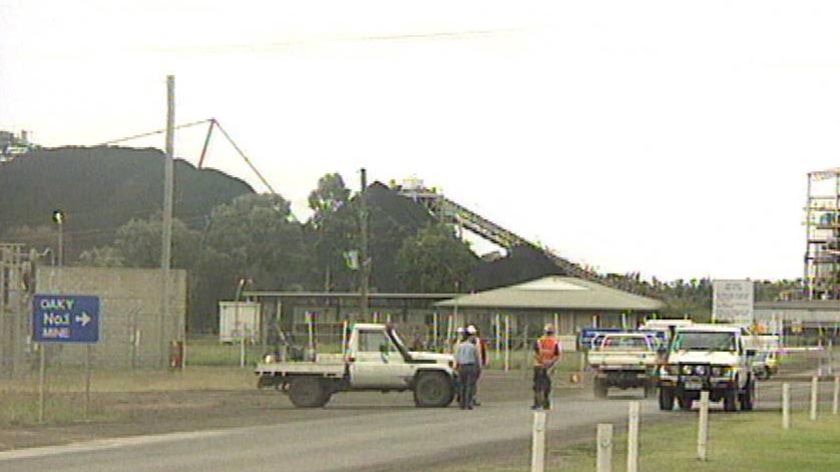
{"x":84,"y":319}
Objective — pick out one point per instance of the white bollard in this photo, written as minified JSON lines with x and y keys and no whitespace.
{"x":605,"y":438}
{"x":785,"y":405}
{"x":633,"y":438}
{"x":538,"y":443}
{"x":814,"y":389}
{"x":703,"y":426}
{"x":835,"y":401}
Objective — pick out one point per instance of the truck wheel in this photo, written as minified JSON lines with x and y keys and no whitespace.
{"x":433,"y":390}
{"x":308,"y":392}
{"x":600,"y":388}
{"x":729,"y":398}
{"x":748,"y":396}
{"x":685,"y":402}
{"x":666,"y":399}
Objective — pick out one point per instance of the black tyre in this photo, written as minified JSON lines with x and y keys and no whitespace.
{"x":685,"y":402}
{"x":308,"y":392}
{"x":599,"y":387}
{"x":729,"y":400}
{"x":666,"y":398}
{"x":748,"y":396}
{"x":433,"y":390}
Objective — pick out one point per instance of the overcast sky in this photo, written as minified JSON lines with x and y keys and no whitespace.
{"x":667,"y":137}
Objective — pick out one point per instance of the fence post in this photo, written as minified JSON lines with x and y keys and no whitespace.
{"x":703,"y":426}
{"x":814,"y":393}
{"x":604,"y":459}
{"x":507,"y":343}
{"x":538,"y":443}
{"x":785,"y":405}
{"x":835,"y":401}
{"x":633,"y":438}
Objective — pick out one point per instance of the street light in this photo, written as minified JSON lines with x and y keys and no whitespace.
{"x":58,"y":218}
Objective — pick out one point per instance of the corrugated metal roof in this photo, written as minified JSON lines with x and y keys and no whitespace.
{"x":556,"y":293}
{"x":831,"y":305}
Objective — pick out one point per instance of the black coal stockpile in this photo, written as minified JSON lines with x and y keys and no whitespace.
{"x":101,"y":188}
{"x":393,"y":218}
{"x":394,"y":215}
{"x":522,"y":264}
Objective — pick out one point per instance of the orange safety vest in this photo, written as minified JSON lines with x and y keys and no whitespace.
{"x":548,"y":346}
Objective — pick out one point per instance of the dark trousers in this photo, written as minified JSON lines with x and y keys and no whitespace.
{"x":467,"y":375}
{"x":542,"y":387}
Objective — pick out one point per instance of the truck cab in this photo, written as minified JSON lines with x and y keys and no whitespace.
{"x":711,"y":357}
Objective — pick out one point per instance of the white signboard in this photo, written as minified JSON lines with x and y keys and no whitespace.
{"x":732,"y":301}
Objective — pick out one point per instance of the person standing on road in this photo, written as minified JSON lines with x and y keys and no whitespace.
{"x":481,"y":345}
{"x":546,"y":355}
{"x":467,"y":361}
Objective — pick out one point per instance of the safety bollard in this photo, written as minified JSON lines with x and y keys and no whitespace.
{"x":703,"y":426}
{"x":633,"y":438}
{"x":785,"y":405}
{"x":814,"y":393}
{"x":604,"y":458}
{"x":538,"y":443}
{"x":835,"y":401}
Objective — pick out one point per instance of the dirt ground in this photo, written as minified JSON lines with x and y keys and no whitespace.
{"x":118,"y":414}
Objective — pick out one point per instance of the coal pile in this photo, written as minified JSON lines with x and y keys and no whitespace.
{"x":101,"y":188}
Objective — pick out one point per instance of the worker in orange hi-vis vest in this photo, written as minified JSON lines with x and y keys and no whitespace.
{"x":472,"y":331}
{"x":546,"y":355}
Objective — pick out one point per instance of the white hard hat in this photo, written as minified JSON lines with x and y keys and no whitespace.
{"x":459,"y":329}
{"x":471,"y":329}
{"x":549,"y":328}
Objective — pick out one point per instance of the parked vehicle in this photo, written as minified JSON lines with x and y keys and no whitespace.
{"x":375,"y":359}
{"x":709,"y":357}
{"x":765,"y":364}
{"x":623,"y":360}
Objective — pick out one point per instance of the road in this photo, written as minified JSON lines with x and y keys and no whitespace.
{"x":360,"y":432}
{"x":380,"y":439}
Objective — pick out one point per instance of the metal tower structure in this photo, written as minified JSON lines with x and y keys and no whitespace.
{"x":822,"y":232}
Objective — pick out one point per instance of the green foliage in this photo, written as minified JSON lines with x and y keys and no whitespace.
{"x":330,"y":195}
{"x":257,"y":237}
{"x":435,"y":261}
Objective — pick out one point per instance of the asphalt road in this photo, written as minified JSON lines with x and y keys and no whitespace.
{"x":382,"y":438}
{"x":357,"y":432}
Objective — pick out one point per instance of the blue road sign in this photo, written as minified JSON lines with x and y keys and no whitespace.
{"x":65,"y":319}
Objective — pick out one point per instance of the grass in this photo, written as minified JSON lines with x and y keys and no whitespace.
{"x":64,"y":399}
{"x":753,"y":442}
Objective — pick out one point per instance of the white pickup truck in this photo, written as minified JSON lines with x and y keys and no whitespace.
{"x":711,"y":357}
{"x":623,"y":360}
{"x":375,"y":360}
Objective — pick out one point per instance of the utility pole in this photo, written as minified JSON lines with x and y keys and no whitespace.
{"x":168,"y":184}
{"x":363,"y":224}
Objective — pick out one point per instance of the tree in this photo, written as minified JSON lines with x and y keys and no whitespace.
{"x":257,"y":237}
{"x":330,"y":195}
{"x":139,"y":243}
{"x":435,"y":261}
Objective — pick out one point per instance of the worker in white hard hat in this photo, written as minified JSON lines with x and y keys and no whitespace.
{"x":481,"y":346}
{"x":546,"y":355}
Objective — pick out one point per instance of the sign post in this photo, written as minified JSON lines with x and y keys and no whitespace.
{"x":64,"y":319}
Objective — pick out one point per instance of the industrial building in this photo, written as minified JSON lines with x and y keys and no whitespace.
{"x":822,"y":227}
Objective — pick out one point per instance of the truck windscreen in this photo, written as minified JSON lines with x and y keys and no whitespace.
{"x":704,"y":341}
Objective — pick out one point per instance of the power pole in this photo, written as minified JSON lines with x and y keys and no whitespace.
{"x":363,"y":224}
{"x":168,"y":184}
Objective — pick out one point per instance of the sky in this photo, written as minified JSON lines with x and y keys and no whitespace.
{"x":669,"y":138}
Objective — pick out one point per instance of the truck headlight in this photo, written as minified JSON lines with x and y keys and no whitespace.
{"x":686,"y":370}
{"x":700,"y":370}
{"x":268,"y":359}
{"x":671,"y":369}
